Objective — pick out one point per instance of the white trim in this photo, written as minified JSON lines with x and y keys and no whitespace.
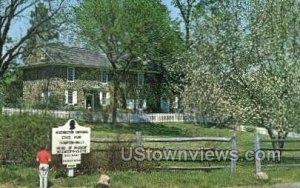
{"x":106,"y":100}
{"x":66,"y":97}
{"x":45,"y":94}
{"x":74,"y":97}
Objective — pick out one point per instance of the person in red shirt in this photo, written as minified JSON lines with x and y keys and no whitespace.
{"x":43,"y":157}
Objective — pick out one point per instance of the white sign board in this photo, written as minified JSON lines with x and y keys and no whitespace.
{"x":68,"y":139}
{"x":71,"y":158}
{"x":71,"y":140}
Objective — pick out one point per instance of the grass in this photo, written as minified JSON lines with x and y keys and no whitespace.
{"x":17,"y":176}
{"x":28,"y":177}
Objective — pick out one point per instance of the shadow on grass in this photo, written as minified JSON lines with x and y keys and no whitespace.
{"x":149,"y":129}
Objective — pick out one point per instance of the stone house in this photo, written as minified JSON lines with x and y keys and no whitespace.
{"x":78,"y":78}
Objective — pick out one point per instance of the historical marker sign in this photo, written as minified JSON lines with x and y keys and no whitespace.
{"x":71,"y":140}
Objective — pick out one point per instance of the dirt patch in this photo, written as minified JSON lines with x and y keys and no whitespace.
{"x":8,"y":185}
{"x":286,"y":185}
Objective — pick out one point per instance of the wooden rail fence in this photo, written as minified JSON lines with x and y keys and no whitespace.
{"x":140,"y":140}
{"x":273,"y":154}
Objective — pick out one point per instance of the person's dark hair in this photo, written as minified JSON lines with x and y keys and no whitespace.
{"x":72,"y":124}
{"x":43,"y":147}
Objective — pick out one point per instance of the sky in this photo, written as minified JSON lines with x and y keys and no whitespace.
{"x":173,"y":11}
{"x":21,"y":25}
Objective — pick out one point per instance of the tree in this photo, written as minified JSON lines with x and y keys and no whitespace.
{"x":128,"y":32}
{"x":246,"y":65}
{"x":10,"y":11}
{"x":273,"y":50}
{"x":208,"y":63}
{"x":187,"y":9}
{"x":12,"y":87}
{"x":47,"y":32}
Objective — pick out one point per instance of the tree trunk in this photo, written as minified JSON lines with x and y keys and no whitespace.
{"x":187,"y":34}
{"x":277,"y":143}
{"x":115,"y":101}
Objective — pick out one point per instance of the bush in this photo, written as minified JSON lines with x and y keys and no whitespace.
{"x":107,"y":159}
{"x":110,"y":159}
{"x":52,"y":103}
{"x":250,"y":129}
{"x":22,"y":136}
{"x":1,"y":98}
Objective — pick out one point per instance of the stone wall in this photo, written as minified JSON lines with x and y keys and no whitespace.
{"x":36,"y":81}
{"x":54,"y":79}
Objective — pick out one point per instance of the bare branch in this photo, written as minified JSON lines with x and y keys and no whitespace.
{"x":24,"y":8}
{"x":15,"y":50}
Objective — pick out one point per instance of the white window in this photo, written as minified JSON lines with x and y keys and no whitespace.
{"x":104,"y":98}
{"x":104,"y":95}
{"x":70,"y":74}
{"x":141,"y":79}
{"x":130,"y":104}
{"x":71,"y":97}
{"x":141,"y":103}
{"x":176,"y":102}
{"x":46,"y":94}
{"x":104,"y":77}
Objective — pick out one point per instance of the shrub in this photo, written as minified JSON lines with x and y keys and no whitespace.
{"x":105,"y":159}
{"x":110,"y":159}
{"x":249,"y":129}
{"x":53,"y":102}
{"x":1,"y":97}
{"x":22,"y":136}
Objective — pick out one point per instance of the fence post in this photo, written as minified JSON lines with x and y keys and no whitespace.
{"x":256,"y":152}
{"x":233,"y":155}
{"x":138,"y":135}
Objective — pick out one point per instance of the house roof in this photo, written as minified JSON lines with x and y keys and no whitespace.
{"x":72,"y":56}
{"x":56,"y":54}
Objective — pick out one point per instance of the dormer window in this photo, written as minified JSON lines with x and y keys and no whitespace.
{"x":70,"y":74}
{"x":104,"y":77}
{"x":141,"y":79}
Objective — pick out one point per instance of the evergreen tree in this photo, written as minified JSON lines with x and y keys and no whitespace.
{"x":47,"y":32}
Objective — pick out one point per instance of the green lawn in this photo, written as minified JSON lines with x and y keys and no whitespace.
{"x":28,"y":177}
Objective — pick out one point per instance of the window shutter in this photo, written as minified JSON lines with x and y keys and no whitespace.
{"x":74,"y":97}
{"x":66,"y":96}
{"x":107,"y":98}
{"x":100,"y":97}
{"x":176,"y":102}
